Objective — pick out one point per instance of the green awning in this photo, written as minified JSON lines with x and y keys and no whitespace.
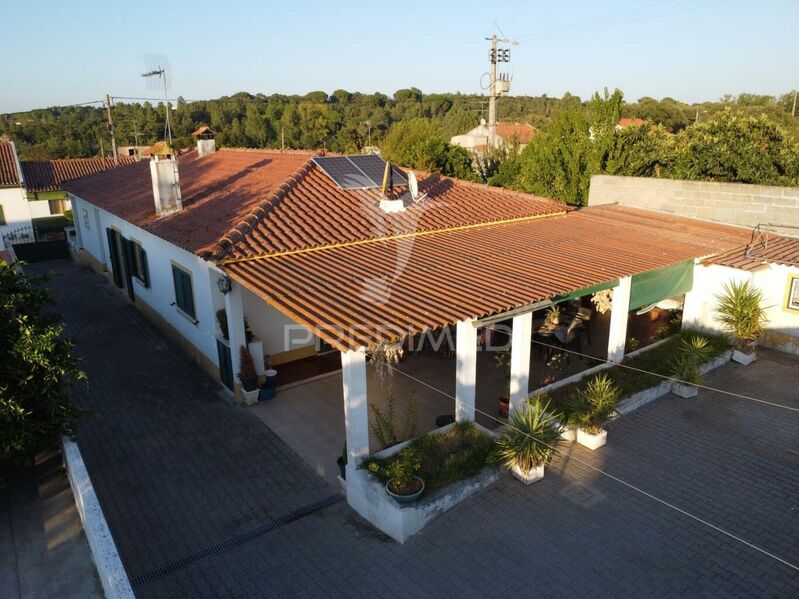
{"x":663,"y":283}
{"x":585,"y":291}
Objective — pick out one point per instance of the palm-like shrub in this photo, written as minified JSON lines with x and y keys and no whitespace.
{"x":693,"y":351}
{"x":596,"y":403}
{"x":531,"y":439}
{"x":741,"y":313}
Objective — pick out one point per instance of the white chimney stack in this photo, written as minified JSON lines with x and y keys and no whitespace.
{"x":166,"y":185}
{"x":205,"y":140}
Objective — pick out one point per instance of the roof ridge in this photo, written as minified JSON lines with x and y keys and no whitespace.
{"x":247,"y":224}
{"x":270,"y":150}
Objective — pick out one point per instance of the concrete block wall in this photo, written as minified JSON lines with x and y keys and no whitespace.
{"x":731,"y":203}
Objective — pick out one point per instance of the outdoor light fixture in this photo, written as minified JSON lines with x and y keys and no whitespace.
{"x":224,"y":285}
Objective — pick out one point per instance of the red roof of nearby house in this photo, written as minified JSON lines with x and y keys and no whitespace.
{"x":754,"y":256}
{"x":243,"y":202}
{"x":630,"y":122}
{"x":521,"y":132}
{"x":48,"y":175}
{"x":9,"y":175}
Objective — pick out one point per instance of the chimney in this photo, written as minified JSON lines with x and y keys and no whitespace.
{"x":166,"y":184}
{"x":206,"y":144}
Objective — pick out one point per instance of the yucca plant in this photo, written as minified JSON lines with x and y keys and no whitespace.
{"x":531,"y":439}
{"x":596,"y":403}
{"x":693,"y":351}
{"x":741,"y":313}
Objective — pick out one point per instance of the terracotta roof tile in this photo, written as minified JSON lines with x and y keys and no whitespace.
{"x":48,"y":175}
{"x":360,"y":294}
{"x":630,"y":122}
{"x":523,"y":132}
{"x":243,"y":202}
{"x":754,"y":256}
{"x":9,"y":173}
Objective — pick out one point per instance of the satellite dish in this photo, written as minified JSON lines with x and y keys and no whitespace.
{"x":413,"y":185}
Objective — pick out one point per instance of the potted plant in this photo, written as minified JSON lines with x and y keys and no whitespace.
{"x":596,"y":403}
{"x":248,"y":376}
{"x":552,"y":316}
{"x":529,"y":442}
{"x":569,"y":418}
{"x":742,"y":315}
{"x":403,"y":484}
{"x":684,"y":366}
{"x":502,"y":363}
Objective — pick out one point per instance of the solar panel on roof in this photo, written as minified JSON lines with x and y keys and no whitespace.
{"x":358,"y":172}
{"x":374,"y":167}
{"x":343,"y":172}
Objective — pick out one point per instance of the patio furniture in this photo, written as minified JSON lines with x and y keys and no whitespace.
{"x":584,"y":314}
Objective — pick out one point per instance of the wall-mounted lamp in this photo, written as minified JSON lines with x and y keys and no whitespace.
{"x":224,"y":285}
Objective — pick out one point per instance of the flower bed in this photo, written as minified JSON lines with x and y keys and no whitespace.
{"x":456,"y":454}
{"x":654,"y":361}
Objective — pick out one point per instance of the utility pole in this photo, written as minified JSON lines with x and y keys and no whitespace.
{"x":111,"y":129}
{"x":793,"y":111}
{"x":496,"y":55}
{"x":282,"y":139}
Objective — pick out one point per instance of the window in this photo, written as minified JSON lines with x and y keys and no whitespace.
{"x":793,"y":294}
{"x":2,"y":216}
{"x":184,"y":295}
{"x":138,"y":263}
{"x":56,"y":206}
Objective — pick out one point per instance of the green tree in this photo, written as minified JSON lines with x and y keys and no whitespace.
{"x":734,"y":147}
{"x":418,"y":143}
{"x":37,"y":369}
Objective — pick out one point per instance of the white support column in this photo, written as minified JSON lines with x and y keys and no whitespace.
{"x":234,"y":309}
{"x":520,"y":359}
{"x":466,"y":370}
{"x":356,"y":412}
{"x":693,"y":306}
{"x":619,"y":314}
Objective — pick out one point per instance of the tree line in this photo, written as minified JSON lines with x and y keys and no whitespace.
{"x":749,"y":138}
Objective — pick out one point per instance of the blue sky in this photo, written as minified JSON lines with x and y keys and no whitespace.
{"x":64,"y":52}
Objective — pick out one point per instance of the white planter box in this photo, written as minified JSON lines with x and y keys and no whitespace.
{"x":528,"y":477}
{"x":592,"y":441}
{"x":250,"y":397}
{"x":742,"y":358}
{"x":569,"y":434}
{"x":684,"y":390}
{"x":256,"y":348}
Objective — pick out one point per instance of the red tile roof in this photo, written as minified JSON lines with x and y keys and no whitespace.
{"x":358,"y":294}
{"x":218,"y":191}
{"x":630,"y":122}
{"x":9,"y":173}
{"x":522,"y":132}
{"x":773,"y":249}
{"x":244,"y":202}
{"x":48,"y":175}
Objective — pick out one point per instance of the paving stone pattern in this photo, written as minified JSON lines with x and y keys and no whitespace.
{"x":177,"y":468}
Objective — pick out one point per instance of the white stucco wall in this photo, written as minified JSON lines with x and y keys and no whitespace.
{"x":15,"y":209}
{"x":782,"y":330}
{"x":160,"y":255}
{"x":39,"y":208}
{"x":277,"y":332}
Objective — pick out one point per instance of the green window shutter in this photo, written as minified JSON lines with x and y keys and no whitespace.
{"x":176,"y":274}
{"x":145,"y":269}
{"x":188,"y":295}
{"x":656,"y":285}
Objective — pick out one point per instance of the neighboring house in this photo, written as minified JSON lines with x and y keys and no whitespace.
{"x":14,"y":210}
{"x":478,"y":140}
{"x":770,"y":258}
{"x":44,"y":178}
{"x":629,"y":122}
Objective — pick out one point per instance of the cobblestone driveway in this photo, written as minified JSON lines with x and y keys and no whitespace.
{"x":179,"y":469}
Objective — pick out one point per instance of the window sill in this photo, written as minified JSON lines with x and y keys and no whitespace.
{"x":191,"y":319}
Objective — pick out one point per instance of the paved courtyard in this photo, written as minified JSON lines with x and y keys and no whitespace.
{"x":205,"y":501}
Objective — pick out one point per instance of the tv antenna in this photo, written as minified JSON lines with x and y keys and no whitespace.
{"x":158,"y":66}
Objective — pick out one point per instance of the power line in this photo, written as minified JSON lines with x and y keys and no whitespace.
{"x":79,"y":104}
{"x":608,"y":475}
{"x":670,"y":378}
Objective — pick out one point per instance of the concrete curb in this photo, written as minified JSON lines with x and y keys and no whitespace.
{"x":106,"y":558}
